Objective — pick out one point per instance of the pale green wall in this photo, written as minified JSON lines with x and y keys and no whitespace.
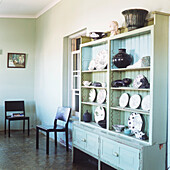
{"x":17,"y":35}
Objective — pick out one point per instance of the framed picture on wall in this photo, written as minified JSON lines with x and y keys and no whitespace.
{"x":16,"y":60}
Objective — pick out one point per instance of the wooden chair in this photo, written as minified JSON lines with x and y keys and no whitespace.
{"x":63,"y":114}
{"x":15,"y":107}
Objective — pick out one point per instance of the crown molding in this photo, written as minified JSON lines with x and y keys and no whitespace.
{"x":17,"y":16}
{"x":47,"y":8}
{"x":32,"y":16}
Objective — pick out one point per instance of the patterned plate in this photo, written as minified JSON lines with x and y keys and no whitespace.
{"x":92,"y":95}
{"x":135,"y":122}
{"x":99,"y":114}
{"x":137,"y":81}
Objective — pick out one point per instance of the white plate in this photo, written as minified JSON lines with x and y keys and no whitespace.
{"x":135,"y":122}
{"x":92,"y":65}
{"x":135,"y":101}
{"x":99,"y":114}
{"x":92,"y":95}
{"x":146,"y":104}
{"x":124,"y":100}
{"x":101,"y":96}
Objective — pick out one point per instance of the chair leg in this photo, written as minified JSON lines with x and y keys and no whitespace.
{"x":23,"y":126}
{"x":9,"y":128}
{"x":66,"y":139}
{"x":47,"y":143}
{"x":5,"y":127}
{"x":28,"y":126}
{"x":37,"y":137}
{"x":55,"y":133}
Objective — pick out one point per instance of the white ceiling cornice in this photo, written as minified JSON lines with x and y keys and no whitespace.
{"x":29,"y":14}
{"x":17,"y":16}
{"x":47,"y":8}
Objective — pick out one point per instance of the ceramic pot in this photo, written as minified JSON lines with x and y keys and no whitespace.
{"x":122,"y":59}
{"x":87,"y":116}
{"x":135,"y":18}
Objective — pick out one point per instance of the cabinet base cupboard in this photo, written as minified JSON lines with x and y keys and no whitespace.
{"x":117,"y":152}
{"x":148,"y":117}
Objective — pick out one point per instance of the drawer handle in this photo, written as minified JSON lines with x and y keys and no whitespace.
{"x":83,"y":140}
{"x":116,"y":154}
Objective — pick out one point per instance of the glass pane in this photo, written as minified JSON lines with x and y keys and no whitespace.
{"x":76,"y":80}
{"x":76,"y":62}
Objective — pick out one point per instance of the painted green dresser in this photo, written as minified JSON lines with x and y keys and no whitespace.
{"x":107,"y":146}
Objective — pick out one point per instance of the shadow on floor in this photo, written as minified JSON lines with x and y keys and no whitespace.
{"x":19,"y":153}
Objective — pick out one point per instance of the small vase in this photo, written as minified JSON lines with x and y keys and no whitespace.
{"x":87,"y":116}
{"x":122,"y":59}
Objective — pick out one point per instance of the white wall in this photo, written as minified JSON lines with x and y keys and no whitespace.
{"x":17,"y":35}
{"x":67,"y":17}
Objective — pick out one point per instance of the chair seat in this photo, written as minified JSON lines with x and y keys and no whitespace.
{"x":50,"y":128}
{"x":18,"y":118}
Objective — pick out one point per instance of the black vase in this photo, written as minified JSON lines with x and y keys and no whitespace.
{"x":122,"y":59}
{"x":87,"y":116}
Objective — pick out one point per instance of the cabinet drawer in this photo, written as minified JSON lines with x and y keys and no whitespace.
{"x":109,"y":151}
{"x":92,"y":143}
{"x":79,"y":138}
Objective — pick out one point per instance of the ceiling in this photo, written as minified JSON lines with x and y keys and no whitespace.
{"x":25,"y":8}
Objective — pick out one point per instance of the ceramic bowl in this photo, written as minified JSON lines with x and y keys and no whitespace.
{"x":86,"y":83}
{"x":97,"y":35}
{"x":135,"y":18}
{"x":118,"y":128}
{"x":127,"y":131}
{"x":102,"y":123}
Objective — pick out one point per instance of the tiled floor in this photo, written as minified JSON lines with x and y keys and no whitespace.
{"x":19,"y":153}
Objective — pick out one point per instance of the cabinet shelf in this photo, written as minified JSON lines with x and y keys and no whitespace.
{"x":94,"y":71}
{"x":91,"y":124}
{"x":121,"y":134}
{"x":76,"y":52}
{"x":130,"y":69}
{"x":126,"y":109}
{"x":93,"y":87}
{"x":94,"y":104}
{"x":129,"y":88}
{"x":76,"y":71}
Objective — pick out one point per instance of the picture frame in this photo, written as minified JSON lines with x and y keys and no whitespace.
{"x":16,"y":60}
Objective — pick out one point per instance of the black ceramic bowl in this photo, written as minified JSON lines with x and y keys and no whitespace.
{"x":97,"y":35}
{"x":102,"y":123}
{"x":135,"y":18}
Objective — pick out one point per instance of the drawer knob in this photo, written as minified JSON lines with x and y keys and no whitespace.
{"x":83,"y":140}
{"x":115,"y":154}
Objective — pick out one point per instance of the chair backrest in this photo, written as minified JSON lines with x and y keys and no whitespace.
{"x":63,"y":114}
{"x":14,"y":106}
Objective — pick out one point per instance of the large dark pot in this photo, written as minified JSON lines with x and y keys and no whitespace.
{"x":122,"y":59}
{"x":87,"y":116}
{"x":135,"y":18}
